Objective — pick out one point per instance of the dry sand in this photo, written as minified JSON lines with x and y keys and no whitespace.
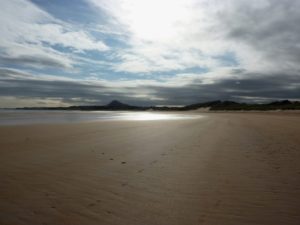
{"x":226,"y":168}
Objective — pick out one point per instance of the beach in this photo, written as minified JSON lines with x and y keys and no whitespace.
{"x":218,"y":169}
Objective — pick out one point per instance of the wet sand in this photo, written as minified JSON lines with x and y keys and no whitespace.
{"x":225,"y":168}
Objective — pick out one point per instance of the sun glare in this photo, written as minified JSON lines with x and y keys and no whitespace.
{"x":141,"y":116}
{"x":155,"y":19}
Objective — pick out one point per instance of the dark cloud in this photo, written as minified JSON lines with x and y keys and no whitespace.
{"x":37,"y":61}
{"x":21,"y":85}
{"x":269,"y":27}
{"x":252,"y":87}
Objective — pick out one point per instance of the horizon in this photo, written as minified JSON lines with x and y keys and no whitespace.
{"x":147,"y":53}
{"x":158,"y":106}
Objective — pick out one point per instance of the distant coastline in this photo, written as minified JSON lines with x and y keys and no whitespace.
{"x":209,"y":106}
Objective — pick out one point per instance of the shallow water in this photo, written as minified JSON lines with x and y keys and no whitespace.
{"x":16,"y":117}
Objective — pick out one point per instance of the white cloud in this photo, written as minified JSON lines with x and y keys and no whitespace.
{"x":27,"y":33}
{"x":166,"y":34}
{"x":64,"y":36}
{"x":180,"y":34}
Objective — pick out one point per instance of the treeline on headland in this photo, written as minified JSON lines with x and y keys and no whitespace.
{"x":212,"y":106}
{"x":235,"y":106}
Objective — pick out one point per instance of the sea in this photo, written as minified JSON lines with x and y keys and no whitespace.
{"x":23,"y":117}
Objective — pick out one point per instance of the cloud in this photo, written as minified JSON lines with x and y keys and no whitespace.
{"x":263,"y":36}
{"x":160,"y":52}
{"x":31,"y":36}
{"x":30,"y":55}
{"x":266,"y":32}
{"x":178,"y":90}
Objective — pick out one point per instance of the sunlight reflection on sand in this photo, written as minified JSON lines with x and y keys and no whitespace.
{"x":156,"y":116}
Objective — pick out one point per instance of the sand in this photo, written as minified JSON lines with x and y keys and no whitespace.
{"x":225,"y":168}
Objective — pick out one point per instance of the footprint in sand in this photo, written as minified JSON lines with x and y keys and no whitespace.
{"x":277,"y":167}
{"x":218,"y":203}
{"x":91,"y":204}
{"x":153,"y":162}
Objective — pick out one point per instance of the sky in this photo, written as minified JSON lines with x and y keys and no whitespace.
{"x":148,"y":52}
